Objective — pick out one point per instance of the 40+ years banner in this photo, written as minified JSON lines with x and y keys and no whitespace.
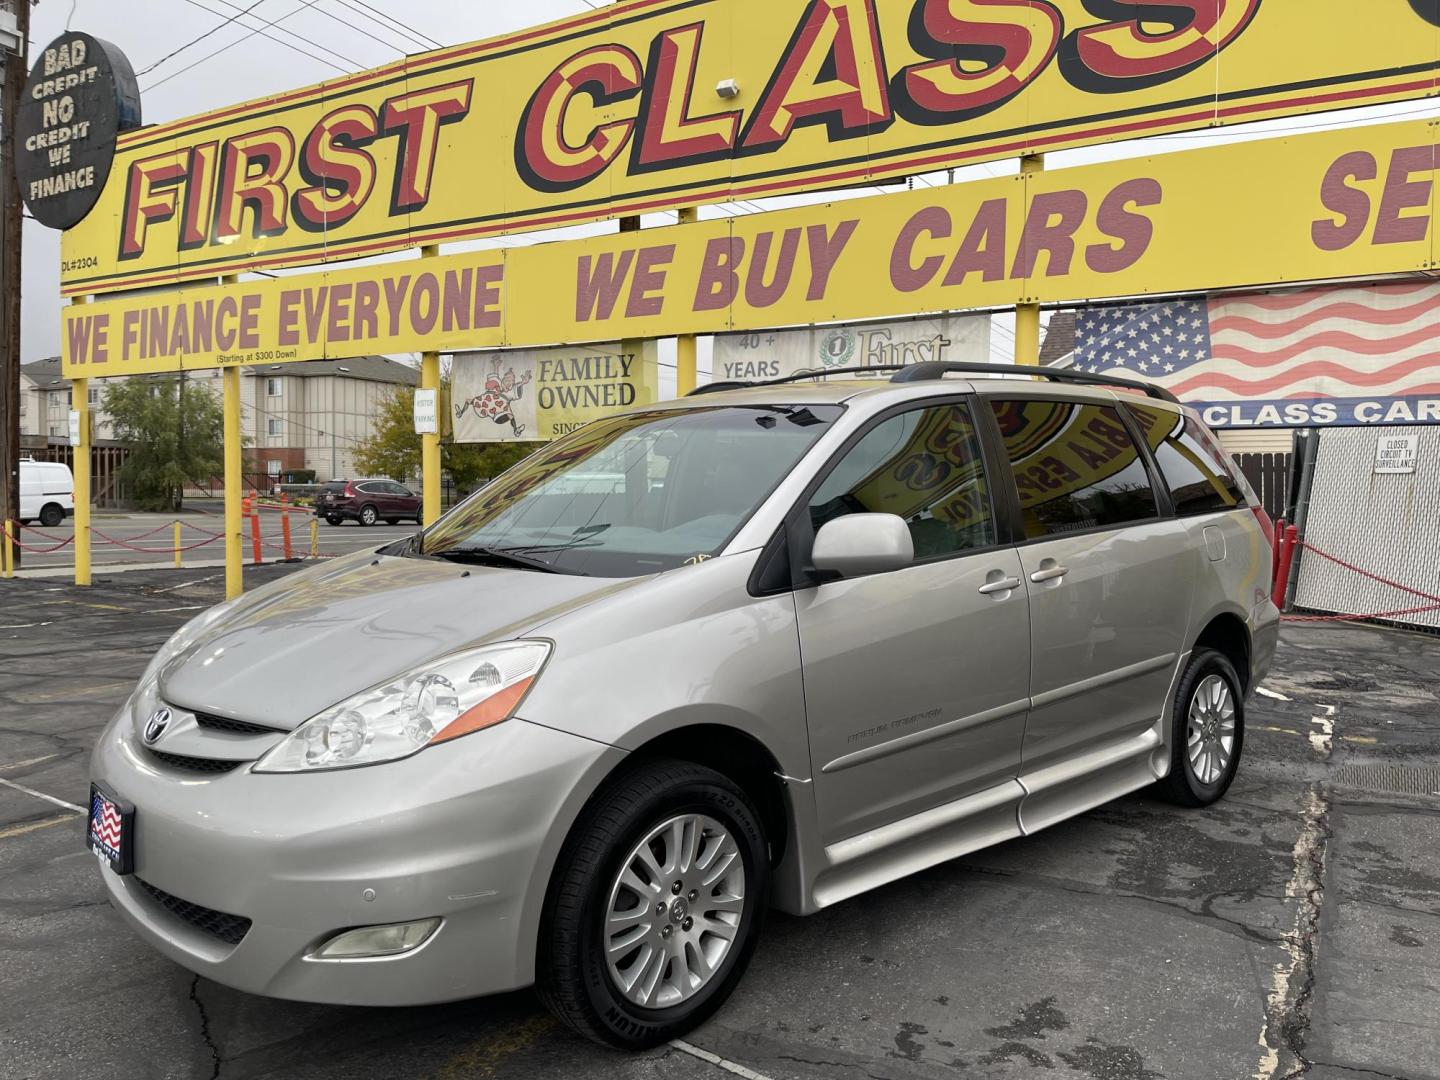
{"x":646,"y":105}
{"x":1355,"y":203}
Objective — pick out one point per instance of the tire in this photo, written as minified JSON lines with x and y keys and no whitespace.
{"x":334,"y":519}
{"x":392,"y":521}
{"x":368,"y":516}
{"x":574,"y":977}
{"x":1211,"y":678}
{"x":51,"y":515}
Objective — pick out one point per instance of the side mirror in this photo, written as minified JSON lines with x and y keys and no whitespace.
{"x":861,"y":544}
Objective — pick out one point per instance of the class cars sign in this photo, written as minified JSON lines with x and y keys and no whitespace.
{"x":647,"y":105}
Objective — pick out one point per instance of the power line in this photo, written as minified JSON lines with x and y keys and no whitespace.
{"x":241,"y":40}
{"x":195,"y":41}
{"x":298,"y":37}
{"x":382,"y":42}
{"x":394,"y":26}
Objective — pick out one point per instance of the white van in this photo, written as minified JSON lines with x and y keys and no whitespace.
{"x":47,"y":492}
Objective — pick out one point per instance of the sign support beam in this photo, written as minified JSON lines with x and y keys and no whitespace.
{"x":1027,"y":316}
{"x":80,"y":393}
{"x":686,"y":353}
{"x":430,"y":444}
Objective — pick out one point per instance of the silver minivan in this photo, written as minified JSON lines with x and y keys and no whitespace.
{"x":816,"y":636}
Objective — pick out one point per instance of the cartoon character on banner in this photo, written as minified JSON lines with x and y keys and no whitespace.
{"x":497,"y":401}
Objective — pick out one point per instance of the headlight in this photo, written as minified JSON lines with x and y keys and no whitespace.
{"x":433,"y":703}
{"x":146,"y":698}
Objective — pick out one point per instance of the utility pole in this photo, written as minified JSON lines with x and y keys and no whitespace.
{"x":16,"y":71}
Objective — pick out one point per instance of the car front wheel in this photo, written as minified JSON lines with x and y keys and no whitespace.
{"x":1207,"y":731}
{"x":655,"y":907}
{"x":51,"y":516}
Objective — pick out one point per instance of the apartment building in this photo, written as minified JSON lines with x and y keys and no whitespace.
{"x":307,"y":415}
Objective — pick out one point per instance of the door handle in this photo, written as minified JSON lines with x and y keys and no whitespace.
{"x":1049,"y":573}
{"x":1003,"y":585}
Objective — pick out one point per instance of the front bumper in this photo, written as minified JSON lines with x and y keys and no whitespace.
{"x":467,"y":831}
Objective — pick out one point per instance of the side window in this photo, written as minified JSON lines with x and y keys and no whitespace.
{"x":1075,"y":466}
{"x":1196,"y":468}
{"x":923,"y":465}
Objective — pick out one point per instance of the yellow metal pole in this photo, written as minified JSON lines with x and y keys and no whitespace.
{"x":7,"y":556}
{"x":430,"y":444}
{"x":234,"y":523}
{"x":686,"y":374}
{"x":1027,"y":316}
{"x":314,"y":538}
{"x":177,"y":544}
{"x":80,"y":395}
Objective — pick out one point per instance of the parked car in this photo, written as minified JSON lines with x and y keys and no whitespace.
{"x":583,"y":736}
{"x":367,"y":501}
{"x":47,"y":492}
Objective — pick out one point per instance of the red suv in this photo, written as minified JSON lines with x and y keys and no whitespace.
{"x":367,"y":501}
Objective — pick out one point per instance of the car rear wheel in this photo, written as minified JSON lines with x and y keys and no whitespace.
{"x":1207,"y":732}
{"x":369,"y":515}
{"x":51,"y":515}
{"x":655,"y":907}
{"x":334,"y":519}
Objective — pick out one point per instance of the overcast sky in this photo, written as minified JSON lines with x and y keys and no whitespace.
{"x":350,"y":35}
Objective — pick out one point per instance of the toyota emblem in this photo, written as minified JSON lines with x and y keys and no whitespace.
{"x":156,"y":725}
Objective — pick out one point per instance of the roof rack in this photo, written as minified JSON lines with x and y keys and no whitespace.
{"x":930,"y":370}
{"x":936,"y":369}
{"x":799,"y":376}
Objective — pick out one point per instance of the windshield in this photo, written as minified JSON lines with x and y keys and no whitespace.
{"x":633,"y":494}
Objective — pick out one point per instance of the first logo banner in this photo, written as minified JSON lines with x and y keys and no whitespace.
{"x":648,"y":105}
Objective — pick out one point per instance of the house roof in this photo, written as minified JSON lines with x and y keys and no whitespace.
{"x":46,"y":373}
{"x":1059,"y":337}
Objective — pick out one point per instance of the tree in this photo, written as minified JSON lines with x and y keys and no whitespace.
{"x":394,"y":449}
{"x":175,"y":437}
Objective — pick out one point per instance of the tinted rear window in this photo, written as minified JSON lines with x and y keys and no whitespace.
{"x":1196,"y":468}
{"x":1075,"y":466}
{"x":333,"y":485}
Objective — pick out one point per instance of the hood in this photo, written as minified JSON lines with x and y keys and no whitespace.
{"x":309,"y":641}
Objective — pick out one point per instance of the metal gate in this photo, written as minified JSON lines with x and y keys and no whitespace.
{"x":1387,"y":524}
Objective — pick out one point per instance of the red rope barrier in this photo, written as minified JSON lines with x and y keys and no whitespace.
{"x":1373,"y":577}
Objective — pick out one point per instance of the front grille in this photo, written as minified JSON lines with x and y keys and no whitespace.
{"x":240,"y":727}
{"x":230,"y":929}
{"x":194,"y":764}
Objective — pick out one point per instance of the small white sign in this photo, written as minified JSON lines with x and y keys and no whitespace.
{"x":427,"y":412}
{"x":74,"y":427}
{"x":1396,"y":453}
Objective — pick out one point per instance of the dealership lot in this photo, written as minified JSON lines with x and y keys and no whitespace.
{"x":1301,"y":914}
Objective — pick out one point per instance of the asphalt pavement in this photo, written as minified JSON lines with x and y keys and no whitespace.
{"x":132,"y":540}
{"x":1293,"y":929}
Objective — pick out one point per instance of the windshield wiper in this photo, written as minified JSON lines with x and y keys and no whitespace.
{"x":500,"y":557}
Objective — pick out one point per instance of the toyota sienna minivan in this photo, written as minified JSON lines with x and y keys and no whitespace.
{"x":815,"y":636}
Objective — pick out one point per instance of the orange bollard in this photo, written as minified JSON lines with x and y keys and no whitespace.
{"x":285,"y":526}
{"x":255,"y":532}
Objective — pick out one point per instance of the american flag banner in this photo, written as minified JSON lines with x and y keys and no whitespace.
{"x":1329,"y":356}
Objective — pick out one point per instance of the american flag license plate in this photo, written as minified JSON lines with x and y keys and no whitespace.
{"x":111,"y":832}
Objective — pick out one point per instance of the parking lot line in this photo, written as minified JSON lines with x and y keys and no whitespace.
{"x":42,"y":795}
{"x":28,"y":761}
{"x":43,"y":823}
{"x":717,"y":1060}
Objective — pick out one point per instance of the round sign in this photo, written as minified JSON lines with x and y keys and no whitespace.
{"x":81,"y":94}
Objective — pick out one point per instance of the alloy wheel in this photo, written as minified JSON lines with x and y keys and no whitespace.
{"x":674,"y":911}
{"x":1210,"y":729}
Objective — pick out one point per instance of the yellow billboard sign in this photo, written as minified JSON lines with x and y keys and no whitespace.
{"x":647,"y":105}
{"x":1345,"y":204}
